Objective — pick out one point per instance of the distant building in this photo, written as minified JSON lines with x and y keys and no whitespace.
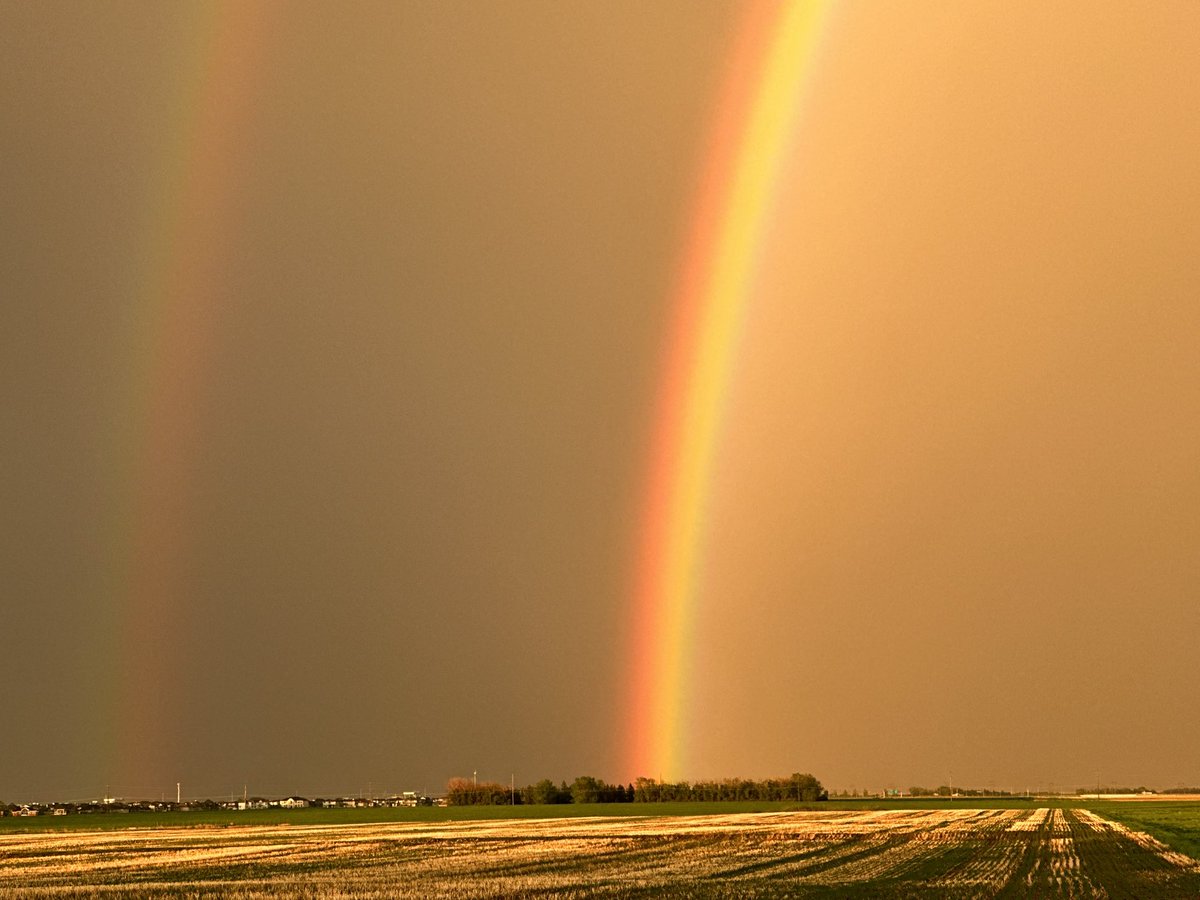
{"x":293,"y":803}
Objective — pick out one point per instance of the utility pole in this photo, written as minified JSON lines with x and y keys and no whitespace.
{"x":177,"y":793}
{"x":512,"y":787}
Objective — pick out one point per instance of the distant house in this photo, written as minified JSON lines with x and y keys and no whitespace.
{"x":293,"y":803}
{"x":243,"y":805}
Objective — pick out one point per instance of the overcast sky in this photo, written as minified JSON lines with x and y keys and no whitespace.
{"x":330,"y":338}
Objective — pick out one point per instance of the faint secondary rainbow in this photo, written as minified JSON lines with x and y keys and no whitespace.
{"x":174,"y":307}
{"x":769,"y":74}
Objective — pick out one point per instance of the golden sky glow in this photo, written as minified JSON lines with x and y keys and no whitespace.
{"x":399,"y":473}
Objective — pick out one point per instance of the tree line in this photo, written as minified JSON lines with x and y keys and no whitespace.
{"x":944,"y":790}
{"x":800,"y":787}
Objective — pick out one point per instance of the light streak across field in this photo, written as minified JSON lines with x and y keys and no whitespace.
{"x":770,"y":73}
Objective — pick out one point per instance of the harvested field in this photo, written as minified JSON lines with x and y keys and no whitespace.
{"x":881,"y":853}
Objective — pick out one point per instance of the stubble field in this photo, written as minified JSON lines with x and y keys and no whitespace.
{"x":956,"y":852}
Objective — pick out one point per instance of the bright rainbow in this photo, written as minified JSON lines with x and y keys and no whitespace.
{"x":770,"y":71}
